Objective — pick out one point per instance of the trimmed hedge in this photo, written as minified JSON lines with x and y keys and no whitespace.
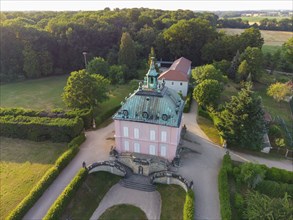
{"x":40,"y":128}
{"x":224,"y":195}
{"x":85,"y":114}
{"x":103,"y":116}
{"x":279,"y":175}
{"x":24,"y":206}
{"x":62,"y":201}
{"x":188,"y":102}
{"x":274,"y":189}
{"x":188,"y":209}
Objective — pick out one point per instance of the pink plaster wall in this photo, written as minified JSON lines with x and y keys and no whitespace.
{"x":173,"y":137}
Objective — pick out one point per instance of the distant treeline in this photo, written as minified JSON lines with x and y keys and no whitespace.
{"x":285,"y":24}
{"x":38,"y":44}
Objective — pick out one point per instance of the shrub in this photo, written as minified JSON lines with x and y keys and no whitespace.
{"x":274,"y":189}
{"x":61,"y":202}
{"x":40,"y":128}
{"x":239,"y":203}
{"x":251,"y":174}
{"x":188,"y":209}
{"x":203,"y":113}
{"x":24,"y":206}
{"x":279,"y":175}
{"x":85,"y":114}
{"x":99,"y":119}
{"x":225,"y":206}
{"x":188,"y":102}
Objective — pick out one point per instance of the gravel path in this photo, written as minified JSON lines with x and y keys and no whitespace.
{"x":149,"y":202}
{"x":203,"y":163}
{"x":95,"y":148}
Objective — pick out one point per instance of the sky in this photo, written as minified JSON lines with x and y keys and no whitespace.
{"x":89,"y":5}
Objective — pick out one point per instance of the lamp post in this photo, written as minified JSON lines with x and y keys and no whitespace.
{"x":84,"y":55}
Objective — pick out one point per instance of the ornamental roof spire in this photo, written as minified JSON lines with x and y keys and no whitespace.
{"x":151,"y":79}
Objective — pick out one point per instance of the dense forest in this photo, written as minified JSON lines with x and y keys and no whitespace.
{"x":38,"y":44}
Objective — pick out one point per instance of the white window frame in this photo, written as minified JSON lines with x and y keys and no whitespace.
{"x":126,"y":145}
{"x":163,"y":136}
{"x":136,"y":148}
{"x":125,"y":132}
{"x":152,"y":150}
{"x":163,"y":151}
{"x":136,"y":133}
{"x":152,"y":135}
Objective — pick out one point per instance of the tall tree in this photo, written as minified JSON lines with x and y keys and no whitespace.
{"x":254,"y":59}
{"x":234,"y":66}
{"x":127,"y":53}
{"x":251,"y":37}
{"x":84,"y":90}
{"x":31,"y":63}
{"x":208,"y":71}
{"x":242,"y":121}
{"x":98,"y":66}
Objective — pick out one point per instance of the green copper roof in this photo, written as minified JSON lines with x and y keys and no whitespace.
{"x":163,"y":106}
{"x":152,"y":71}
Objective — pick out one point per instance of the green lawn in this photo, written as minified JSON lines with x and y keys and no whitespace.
{"x":275,"y":38}
{"x":22,"y":165}
{"x":173,"y":198}
{"x":42,"y":93}
{"x":209,"y":129}
{"x":89,"y":195}
{"x":123,"y":212}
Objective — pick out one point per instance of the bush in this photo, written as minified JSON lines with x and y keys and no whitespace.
{"x":61,"y":202}
{"x":279,"y":175}
{"x":37,"y":191}
{"x":85,"y":114}
{"x":40,"y":128}
{"x":274,"y":189}
{"x":251,"y":174}
{"x":203,"y":113}
{"x":188,"y":209}
{"x":224,"y":195}
{"x":102,"y":117}
{"x":239,"y":203}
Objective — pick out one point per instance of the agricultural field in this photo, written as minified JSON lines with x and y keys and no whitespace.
{"x":22,"y":165}
{"x":273,"y":38}
{"x":257,"y":19}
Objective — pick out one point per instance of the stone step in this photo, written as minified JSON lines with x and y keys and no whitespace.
{"x":138,"y":186}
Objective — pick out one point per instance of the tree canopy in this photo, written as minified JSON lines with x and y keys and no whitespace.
{"x":84,"y":90}
{"x":279,"y":91}
{"x":208,"y":71}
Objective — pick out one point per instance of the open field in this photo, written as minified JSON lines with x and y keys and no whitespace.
{"x":89,"y":195}
{"x":123,"y":212}
{"x":42,"y":93}
{"x":274,"y":38}
{"x":173,"y":198}
{"x":46,"y":93}
{"x":22,"y":165}
{"x":270,"y":49}
{"x":257,"y":19}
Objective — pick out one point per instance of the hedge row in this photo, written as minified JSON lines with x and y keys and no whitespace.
{"x":85,"y":114}
{"x":224,"y":195}
{"x":64,"y":198}
{"x":24,"y":206}
{"x":40,"y":128}
{"x":279,"y":175}
{"x":105,"y":115}
{"x":188,"y":101}
{"x":274,"y":189}
{"x":188,"y":209}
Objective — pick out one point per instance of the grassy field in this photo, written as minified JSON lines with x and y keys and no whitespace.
{"x":123,"y":212}
{"x":209,"y":129}
{"x":270,"y":48}
{"x":257,"y":19}
{"x":46,"y":94}
{"x":42,"y":93}
{"x":89,"y":195}
{"x":274,"y":38}
{"x":173,"y":198}
{"x":22,"y":164}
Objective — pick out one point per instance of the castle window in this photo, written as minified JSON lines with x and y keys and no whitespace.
{"x":172,"y":83}
{"x":125,"y":131}
{"x":152,"y":135}
{"x":126,"y":145}
{"x":136,"y":133}
{"x":164,"y":136}
{"x":163,"y":151}
{"x":136,"y":148}
{"x":152,"y":150}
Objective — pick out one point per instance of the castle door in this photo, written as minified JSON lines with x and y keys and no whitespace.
{"x":140,"y":170}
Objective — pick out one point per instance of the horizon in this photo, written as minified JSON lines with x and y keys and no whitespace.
{"x":91,"y":5}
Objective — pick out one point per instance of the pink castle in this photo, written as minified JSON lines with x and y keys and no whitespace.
{"x":149,"y":121}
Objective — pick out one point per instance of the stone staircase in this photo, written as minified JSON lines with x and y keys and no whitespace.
{"x":136,"y":181}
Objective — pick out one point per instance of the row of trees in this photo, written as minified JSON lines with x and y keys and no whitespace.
{"x":284,"y":24}
{"x":38,"y":44}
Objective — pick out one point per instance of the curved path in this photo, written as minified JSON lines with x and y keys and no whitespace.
{"x":149,"y":202}
{"x":95,"y":148}
{"x":203,"y":163}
